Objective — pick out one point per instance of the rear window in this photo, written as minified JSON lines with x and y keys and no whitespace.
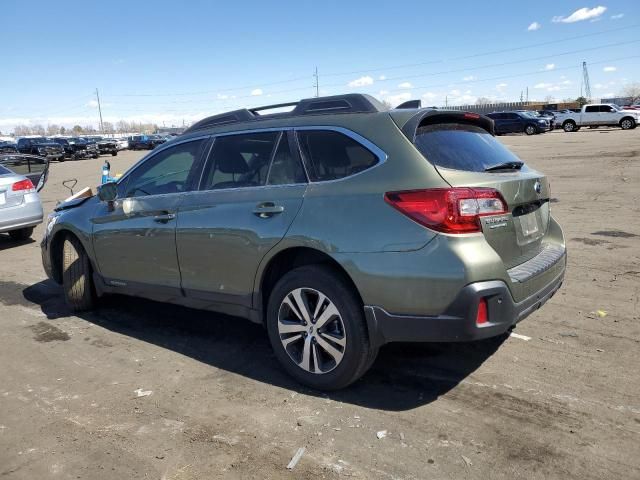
{"x":461,"y":147}
{"x":4,"y":171}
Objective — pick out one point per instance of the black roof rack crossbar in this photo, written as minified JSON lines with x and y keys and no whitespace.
{"x":348,"y":103}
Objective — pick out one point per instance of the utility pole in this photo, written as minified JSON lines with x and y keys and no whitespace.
{"x":99,"y":111}
{"x":527,"y":94}
{"x":317,"y":84}
{"x":446,"y":100}
{"x":585,"y":81}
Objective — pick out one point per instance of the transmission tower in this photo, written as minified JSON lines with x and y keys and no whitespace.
{"x":585,"y":81}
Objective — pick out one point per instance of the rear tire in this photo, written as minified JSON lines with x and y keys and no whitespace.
{"x":22,"y":234}
{"x":350,"y":353}
{"x":530,"y":130}
{"x":77,"y":281}
{"x":569,"y":126}
{"x":113,"y":154}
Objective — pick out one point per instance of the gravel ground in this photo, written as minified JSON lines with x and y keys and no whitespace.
{"x":562,"y":404}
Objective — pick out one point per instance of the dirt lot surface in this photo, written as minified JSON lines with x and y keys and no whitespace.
{"x":563,"y":404}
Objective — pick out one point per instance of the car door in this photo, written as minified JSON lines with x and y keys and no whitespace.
{"x":513,"y":123}
{"x":251,"y":190}
{"x":591,"y":115}
{"x":134,"y":238}
{"x":608,"y":115}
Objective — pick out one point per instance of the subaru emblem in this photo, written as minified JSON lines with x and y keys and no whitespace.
{"x":537,"y":187}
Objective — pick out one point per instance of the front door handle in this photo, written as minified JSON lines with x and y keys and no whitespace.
{"x":164,"y":217}
{"x":267,"y":209}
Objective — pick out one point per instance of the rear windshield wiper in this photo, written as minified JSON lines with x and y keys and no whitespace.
{"x":516,"y":165}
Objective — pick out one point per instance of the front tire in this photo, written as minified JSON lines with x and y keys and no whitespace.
{"x":77,"y":281}
{"x":627,"y":124}
{"x":530,"y":130}
{"x":317,"y":328}
{"x":22,"y":234}
{"x":113,"y":154}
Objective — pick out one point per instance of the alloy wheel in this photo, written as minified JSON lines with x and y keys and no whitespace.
{"x":311,"y":330}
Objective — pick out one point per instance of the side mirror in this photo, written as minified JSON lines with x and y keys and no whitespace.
{"x":107,"y":192}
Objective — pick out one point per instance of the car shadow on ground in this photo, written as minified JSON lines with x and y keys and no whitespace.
{"x":7,"y":242}
{"x":404,"y":376}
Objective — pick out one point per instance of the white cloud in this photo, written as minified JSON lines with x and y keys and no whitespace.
{"x":454,"y":92}
{"x":554,"y":88}
{"x":405,"y":85}
{"x":534,"y":26}
{"x":542,"y":85}
{"x":581,"y":14}
{"x":257,"y":91}
{"x":469,"y":78}
{"x":609,"y":69}
{"x":383,"y":92}
{"x":566,"y":82}
{"x":92,"y":104}
{"x":467,"y":92}
{"x":550,"y":66}
{"x":429,"y":95}
{"x":617,"y":17}
{"x":361,"y":82}
{"x":222,"y":96}
{"x":382,"y":77}
{"x":608,"y":94}
{"x":501,"y":86}
{"x":396,"y":100}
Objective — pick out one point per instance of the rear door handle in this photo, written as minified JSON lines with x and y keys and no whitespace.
{"x":267,"y":209}
{"x":164,"y":217}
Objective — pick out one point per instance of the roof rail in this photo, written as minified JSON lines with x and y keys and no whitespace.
{"x":348,"y":103}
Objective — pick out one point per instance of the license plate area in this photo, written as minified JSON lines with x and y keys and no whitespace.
{"x":529,"y":225}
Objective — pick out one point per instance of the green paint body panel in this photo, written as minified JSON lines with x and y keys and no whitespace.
{"x":215,"y":253}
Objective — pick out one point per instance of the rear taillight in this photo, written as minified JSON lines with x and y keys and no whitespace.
{"x":448,"y":210}
{"x":482,"y":316}
{"x":22,"y":186}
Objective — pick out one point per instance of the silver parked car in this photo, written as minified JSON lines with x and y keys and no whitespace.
{"x":21,"y":178}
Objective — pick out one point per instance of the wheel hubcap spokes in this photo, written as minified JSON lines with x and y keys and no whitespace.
{"x":311,"y":330}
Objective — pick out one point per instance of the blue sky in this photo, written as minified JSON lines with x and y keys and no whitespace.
{"x":168,"y":61}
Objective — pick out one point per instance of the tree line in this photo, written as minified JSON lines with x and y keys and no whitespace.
{"x":108,"y":128}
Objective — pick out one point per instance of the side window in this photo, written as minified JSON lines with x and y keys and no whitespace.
{"x":166,"y":172}
{"x":592,"y":109}
{"x":285,"y":168}
{"x":240,"y":160}
{"x":331,"y":155}
{"x":606,"y":109}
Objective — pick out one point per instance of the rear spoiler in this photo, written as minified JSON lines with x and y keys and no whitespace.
{"x":410,"y":124}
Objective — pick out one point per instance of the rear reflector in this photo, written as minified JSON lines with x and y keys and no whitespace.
{"x":482,"y":317}
{"x":448,"y":210}
{"x":22,"y":185}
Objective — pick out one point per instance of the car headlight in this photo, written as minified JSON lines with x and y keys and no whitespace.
{"x":51,"y":221}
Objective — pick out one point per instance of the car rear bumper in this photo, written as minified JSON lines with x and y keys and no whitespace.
{"x":458,"y":322}
{"x":29,"y":214}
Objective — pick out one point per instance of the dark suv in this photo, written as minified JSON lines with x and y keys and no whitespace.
{"x":144,"y":142}
{"x":340,"y":226}
{"x":518,"y":122}
{"x":105,"y":146}
{"x":41,"y":146}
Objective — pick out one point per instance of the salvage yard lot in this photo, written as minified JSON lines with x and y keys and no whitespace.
{"x":74,"y":389}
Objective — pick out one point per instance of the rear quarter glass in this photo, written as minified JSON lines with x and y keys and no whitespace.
{"x":461,"y":147}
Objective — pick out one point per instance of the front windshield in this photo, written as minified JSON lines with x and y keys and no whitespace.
{"x":616,"y":107}
{"x":78,"y":140}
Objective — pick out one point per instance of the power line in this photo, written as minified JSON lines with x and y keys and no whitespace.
{"x":481,"y":54}
{"x":393,"y":67}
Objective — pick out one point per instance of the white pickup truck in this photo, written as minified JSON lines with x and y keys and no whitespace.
{"x":597,"y":115}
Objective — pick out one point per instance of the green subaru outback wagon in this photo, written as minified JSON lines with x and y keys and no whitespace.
{"x":339,"y":225}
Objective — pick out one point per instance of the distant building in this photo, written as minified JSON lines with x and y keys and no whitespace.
{"x":617,"y":100}
{"x":167,"y":130}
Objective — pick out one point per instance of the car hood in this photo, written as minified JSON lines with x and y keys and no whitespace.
{"x":48,"y":144}
{"x":76,"y":202}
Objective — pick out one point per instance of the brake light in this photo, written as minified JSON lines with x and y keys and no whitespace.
{"x":482,"y":316}
{"x":448,"y":210}
{"x":472,"y":116}
{"x":22,"y":185}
